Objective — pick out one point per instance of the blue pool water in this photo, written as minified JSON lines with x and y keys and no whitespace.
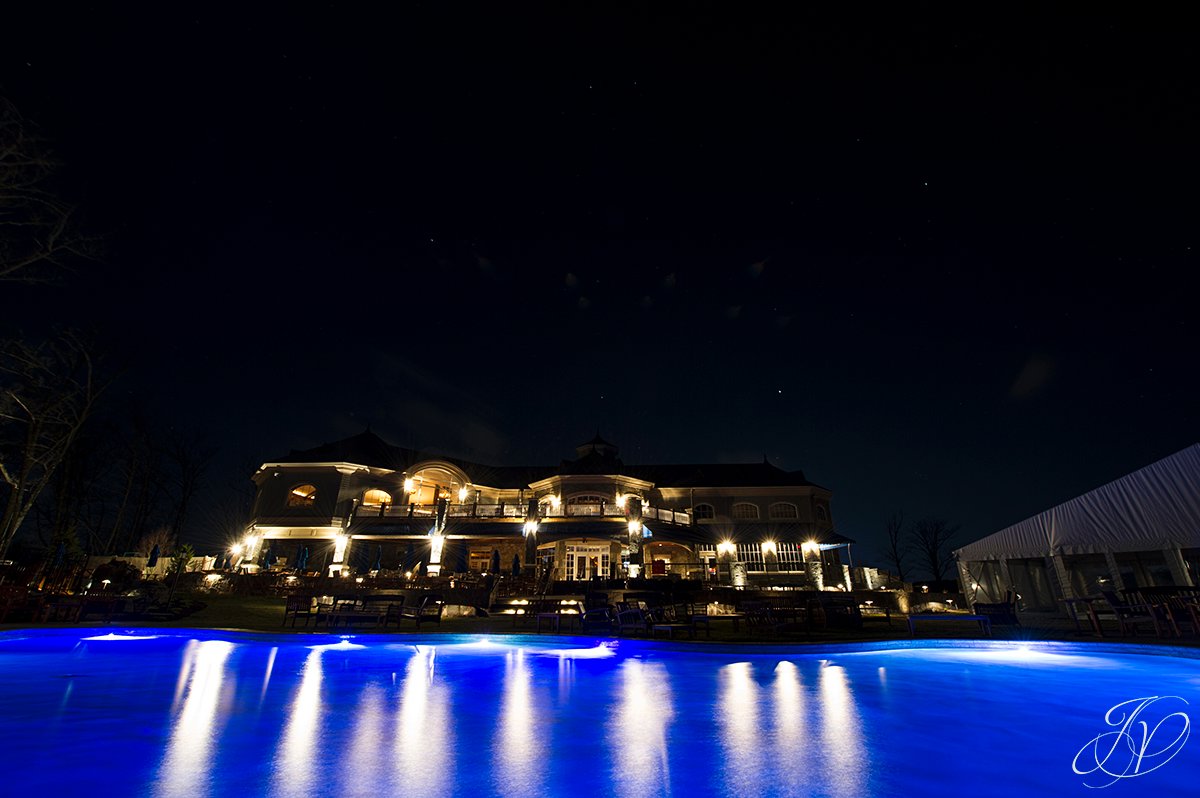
{"x":199,"y":713}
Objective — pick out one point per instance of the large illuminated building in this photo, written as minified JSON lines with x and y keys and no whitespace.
{"x":363,"y":505}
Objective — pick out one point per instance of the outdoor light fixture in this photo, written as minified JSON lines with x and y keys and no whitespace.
{"x":769,"y":547}
{"x":809,"y":547}
{"x":635,"y":527}
{"x":621,"y":499}
{"x":531,"y":528}
{"x":555,"y":501}
{"x":462,"y":494}
{"x":236,"y":549}
{"x":339,"y":548}
{"x":408,"y":485}
{"x":726,"y":547}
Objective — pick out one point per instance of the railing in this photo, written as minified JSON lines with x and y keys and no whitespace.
{"x":513,"y":510}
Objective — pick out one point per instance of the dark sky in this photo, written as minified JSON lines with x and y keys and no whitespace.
{"x":943,"y":264}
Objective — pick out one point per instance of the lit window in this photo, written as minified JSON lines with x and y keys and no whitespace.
{"x":704,"y":511}
{"x":302,"y":496}
{"x":376,"y":498}
{"x":745,"y":510}
{"x":782,"y":510}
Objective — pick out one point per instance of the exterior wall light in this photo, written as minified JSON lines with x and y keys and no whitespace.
{"x":409,"y":485}
{"x":635,"y":527}
{"x":339,"y":548}
{"x":769,"y":547}
{"x":555,"y":501}
{"x":531,"y":528}
{"x":727,"y":547}
{"x":462,"y":494}
{"x":809,"y":547}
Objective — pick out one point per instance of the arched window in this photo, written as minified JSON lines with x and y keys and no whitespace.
{"x":745,"y":511}
{"x":376,"y":498}
{"x":782,"y":510}
{"x":586,"y":505}
{"x":302,"y":496}
{"x":821,"y":514}
{"x":703,"y":511}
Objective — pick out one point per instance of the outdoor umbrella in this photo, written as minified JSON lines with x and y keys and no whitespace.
{"x":153,"y":561}
{"x":266,"y":556}
{"x":516,"y":565}
{"x":302,"y":560}
{"x":495,"y":561}
{"x":410,"y":556}
{"x":378,"y":558}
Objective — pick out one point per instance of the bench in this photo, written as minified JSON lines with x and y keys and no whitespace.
{"x":985,"y":623}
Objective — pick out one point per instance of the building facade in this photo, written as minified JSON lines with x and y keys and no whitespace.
{"x":362,"y":505}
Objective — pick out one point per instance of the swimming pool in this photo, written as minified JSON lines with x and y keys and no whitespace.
{"x":196,"y":713}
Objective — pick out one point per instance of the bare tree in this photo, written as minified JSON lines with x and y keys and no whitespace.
{"x":38,"y":236}
{"x":898,"y":545}
{"x":160,"y":537}
{"x":931,"y":538}
{"x":46,"y":394}
{"x":187,"y":460}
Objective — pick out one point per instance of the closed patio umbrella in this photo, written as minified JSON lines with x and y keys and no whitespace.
{"x":378,"y":558}
{"x":154,"y":554}
{"x":516,"y":565}
{"x":495,"y":561}
{"x":302,"y":560}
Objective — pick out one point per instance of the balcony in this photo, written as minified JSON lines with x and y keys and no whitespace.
{"x":517,"y":512}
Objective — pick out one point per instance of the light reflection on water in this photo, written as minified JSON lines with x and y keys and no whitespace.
{"x":741,"y":738}
{"x":841,"y":733}
{"x":293,"y":773}
{"x":520,"y":745}
{"x":424,"y":757}
{"x":637,"y":735}
{"x":188,"y":764}
{"x":453,"y":716}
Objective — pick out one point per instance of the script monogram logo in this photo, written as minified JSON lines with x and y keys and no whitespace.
{"x":1136,"y":745}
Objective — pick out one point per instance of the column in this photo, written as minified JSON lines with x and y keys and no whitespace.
{"x":1179,"y":571}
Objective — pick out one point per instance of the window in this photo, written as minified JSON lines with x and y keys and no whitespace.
{"x":585,"y":505}
{"x":745,"y":510}
{"x":302,"y":496}
{"x":703,"y":511}
{"x":782,"y":510}
{"x":376,"y":498}
{"x":821,"y":514}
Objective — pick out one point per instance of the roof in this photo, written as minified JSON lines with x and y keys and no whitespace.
{"x":369,"y":449}
{"x":1155,"y":507}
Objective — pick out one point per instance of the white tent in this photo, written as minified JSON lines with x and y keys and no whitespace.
{"x":1145,"y":525}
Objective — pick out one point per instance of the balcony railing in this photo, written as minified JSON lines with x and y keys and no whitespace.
{"x":515,"y":511}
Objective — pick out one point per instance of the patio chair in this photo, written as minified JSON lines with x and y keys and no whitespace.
{"x":1002,"y":613}
{"x":633,"y":619}
{"x":598,"y":619}
{"x":298,"y":606}
{"x":1131,"y":614}
{"x":428,"y":610}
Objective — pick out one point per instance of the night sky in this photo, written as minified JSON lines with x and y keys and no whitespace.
{"x":942,"y":264}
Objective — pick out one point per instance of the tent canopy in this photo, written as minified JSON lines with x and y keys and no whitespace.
{"x":1156,"y":507}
